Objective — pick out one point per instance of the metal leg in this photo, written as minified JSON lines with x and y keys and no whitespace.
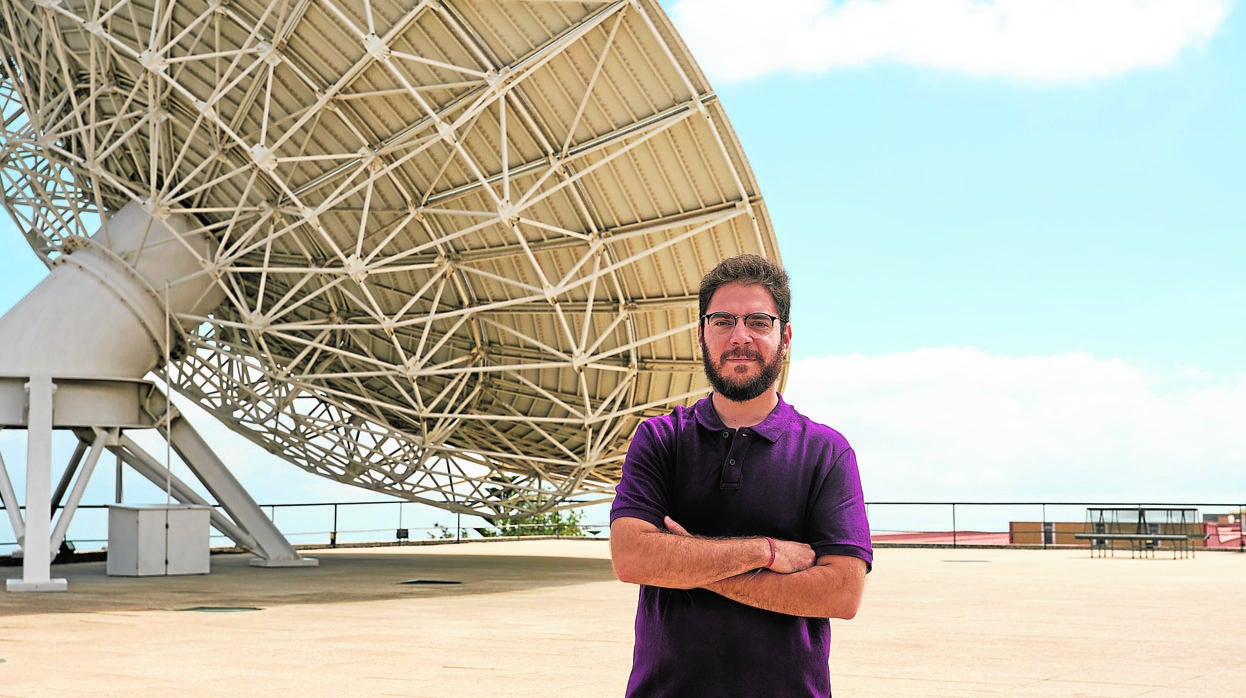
{"x":79,"y":486}
{"x":272,"y":547}
{"x":36,"y":545}
{"x":11,"y":505}
{"x":146,"y":465}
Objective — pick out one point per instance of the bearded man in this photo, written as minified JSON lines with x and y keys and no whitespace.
{"x":742,"y":520}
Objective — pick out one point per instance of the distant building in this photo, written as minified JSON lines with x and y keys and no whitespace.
{"x":1230,"y":519}
{"x":1045,"y":533}
{"x":1133,"y":529}
{"x":1151,"y":528}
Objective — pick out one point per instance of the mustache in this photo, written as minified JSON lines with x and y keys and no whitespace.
{"x":740,"y":354}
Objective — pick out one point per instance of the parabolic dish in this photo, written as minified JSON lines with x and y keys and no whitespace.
{"x":459,"y":242}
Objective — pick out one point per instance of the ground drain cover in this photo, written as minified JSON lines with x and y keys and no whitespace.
{"x":430,"y":581}
{"x":220,"y":609}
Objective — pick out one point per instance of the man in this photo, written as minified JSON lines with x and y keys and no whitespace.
{"x":742,"y":520}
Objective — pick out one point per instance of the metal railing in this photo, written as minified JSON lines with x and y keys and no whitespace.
{"x":908,"y":523}
{"x":320,"y":524}
{"x":978,"y":524}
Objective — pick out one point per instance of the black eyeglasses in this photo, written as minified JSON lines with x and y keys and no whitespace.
{"x":724,"y":323}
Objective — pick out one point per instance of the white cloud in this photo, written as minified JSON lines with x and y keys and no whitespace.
{"x":961,"y":424}
{"x":1034,"y":40}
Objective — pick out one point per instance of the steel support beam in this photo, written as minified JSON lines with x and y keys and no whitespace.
{"x":36,"y":544}
{"x":80,"y":485}
{"x":146,"y":465}
{"x":271,"y":546}
{"x":11,"y":505}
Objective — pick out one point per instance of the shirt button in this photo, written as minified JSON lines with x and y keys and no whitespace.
{"x":726,"y":434}
{"x":732,"y":461}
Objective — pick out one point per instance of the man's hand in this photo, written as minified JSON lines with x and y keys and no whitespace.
{"x":672,"y":527}
{"x":789,"y":556}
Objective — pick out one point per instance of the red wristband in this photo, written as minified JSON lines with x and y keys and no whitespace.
{"x":770,"y":542}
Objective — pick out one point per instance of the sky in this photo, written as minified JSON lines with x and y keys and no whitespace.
{"x":1015,"y":233}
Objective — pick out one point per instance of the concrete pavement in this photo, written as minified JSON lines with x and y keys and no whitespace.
{"x":547,"y":618}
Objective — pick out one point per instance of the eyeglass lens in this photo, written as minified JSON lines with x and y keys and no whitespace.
{"x":725,"y":322}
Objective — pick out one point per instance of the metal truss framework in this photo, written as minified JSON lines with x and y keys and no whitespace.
{"x":459,"y":242}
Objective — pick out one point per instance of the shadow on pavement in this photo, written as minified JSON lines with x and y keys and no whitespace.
{"x":341,"y":577}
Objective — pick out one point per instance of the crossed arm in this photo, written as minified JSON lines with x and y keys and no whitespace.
{"x":797,"y":584}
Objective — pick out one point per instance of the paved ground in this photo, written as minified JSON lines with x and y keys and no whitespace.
{"x":547,"y":618}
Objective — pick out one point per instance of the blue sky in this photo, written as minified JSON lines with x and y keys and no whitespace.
{"x":931,"y":207}
{"x":1015,"y":231}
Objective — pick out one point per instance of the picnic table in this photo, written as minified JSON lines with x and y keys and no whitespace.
{"x":1144,"y":529}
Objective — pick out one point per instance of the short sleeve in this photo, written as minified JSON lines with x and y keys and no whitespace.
{"x":838,"y":523}
{"x":643,"y":491}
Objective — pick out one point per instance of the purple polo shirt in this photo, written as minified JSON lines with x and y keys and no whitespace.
{"x":787,"y":477}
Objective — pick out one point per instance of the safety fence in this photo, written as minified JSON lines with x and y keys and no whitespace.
{"x":1213,"y":525}
{"x":1220,"y":525}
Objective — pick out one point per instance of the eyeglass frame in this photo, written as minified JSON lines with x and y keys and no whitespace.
{"x":775,"y":320}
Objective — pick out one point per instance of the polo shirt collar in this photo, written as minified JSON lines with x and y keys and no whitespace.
{"x":770,"y":428}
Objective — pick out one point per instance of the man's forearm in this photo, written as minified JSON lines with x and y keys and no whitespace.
{"x":822,"y":591}
{"x":658,"y":558}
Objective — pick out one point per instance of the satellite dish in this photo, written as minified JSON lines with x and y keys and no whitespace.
{"x":443,"y":250}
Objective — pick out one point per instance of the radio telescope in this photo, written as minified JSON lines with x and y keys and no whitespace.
{"x":446,"y":250}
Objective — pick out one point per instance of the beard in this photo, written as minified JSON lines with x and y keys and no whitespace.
{"x":749,"y":389}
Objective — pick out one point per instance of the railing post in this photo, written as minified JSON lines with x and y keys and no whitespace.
{"x":953,"y":524}
{"x":333,"y":533}
{"x":1043,"y":530}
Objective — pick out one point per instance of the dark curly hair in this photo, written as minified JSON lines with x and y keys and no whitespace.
{"x":749,"y":269}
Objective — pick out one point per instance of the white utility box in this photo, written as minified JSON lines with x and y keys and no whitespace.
{"x":157,"y":539}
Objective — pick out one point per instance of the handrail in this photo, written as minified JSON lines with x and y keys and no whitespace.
{"x":403,"y":534}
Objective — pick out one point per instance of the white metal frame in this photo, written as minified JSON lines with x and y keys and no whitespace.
{"x":143,"y":406}
{"x":459,"y":242}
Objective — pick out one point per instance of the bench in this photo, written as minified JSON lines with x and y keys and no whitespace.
{"x":1139,"y":543}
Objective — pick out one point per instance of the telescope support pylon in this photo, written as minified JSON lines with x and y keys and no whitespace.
{"x":117,"y":407}
{"x":36,"y":537}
